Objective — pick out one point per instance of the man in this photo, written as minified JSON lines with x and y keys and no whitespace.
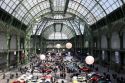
{"x":8,"y":80}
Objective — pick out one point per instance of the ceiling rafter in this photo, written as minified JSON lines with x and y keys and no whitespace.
{"x":55,"y":27}
{"x":51,"y":6}
{"x":78,"y":27}
{"x":31,"y":9}
{"x":50,"y":29}
{"x":86,"y":9}
{"x":84,"y":19}
{"x":66,"y":6}
{"x":38,"y":27}
{"x":61,"y":27}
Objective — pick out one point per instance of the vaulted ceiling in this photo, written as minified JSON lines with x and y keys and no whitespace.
{"x":65,"y":16}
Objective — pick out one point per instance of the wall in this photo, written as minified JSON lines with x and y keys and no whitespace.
{"x":4,"y":50}
{"x":104,"y":42}
{"x":13,"y":42}
{"x":3,"y":42}
{"x":115,"y":41}
{"x":124,"y":40}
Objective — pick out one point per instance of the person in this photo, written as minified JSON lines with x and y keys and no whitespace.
{"x":114,"y":76}
{"x":64,"y":75}
{"x":47,"y":82}
{"x":93,"y":81}
{"x":10,"y":76}
{"x":16,"y":75}
{"x":3,"y":75}
{"x":8,"y":80}
{"x":96,"y":68}
{"x":62,"y":81}
{"x":32,"y":71}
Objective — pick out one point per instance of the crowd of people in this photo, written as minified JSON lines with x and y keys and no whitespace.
{"x":56,"y":67}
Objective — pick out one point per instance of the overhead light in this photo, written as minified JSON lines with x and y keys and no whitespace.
{"x":63,"y":49}
{"x":68,"y":45}
{"x":42,"y":57}
{"x":14,"y":52}
{"x":89,"y":60}
{"x":58,"y":46}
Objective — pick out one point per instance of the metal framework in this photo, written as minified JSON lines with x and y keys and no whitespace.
{"x":60,"y":29}
{"x":33,"y":12}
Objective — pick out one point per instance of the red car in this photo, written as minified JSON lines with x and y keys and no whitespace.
{"x":85,"y":69}
{"x":95,"y":78}
{"x":19,"y":82}
{"x":46,"y":70}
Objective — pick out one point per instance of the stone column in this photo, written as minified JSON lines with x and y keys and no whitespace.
{"x":8,"y":48}
{"x":121,"y":48}
{"x":109,"y":46}
{"x":18,"y":49}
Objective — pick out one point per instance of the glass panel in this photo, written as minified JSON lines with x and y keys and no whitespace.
{"x":3,"y":5}
{"x":59,"y":5}
{"x":124,"y":1}
{"x":110,"y":5}
{"x":1,"y":2}
{"x":89,"y":10}
{"x":58,"y":35}
{"x":82,"y":10}
{"x":58,"y":27}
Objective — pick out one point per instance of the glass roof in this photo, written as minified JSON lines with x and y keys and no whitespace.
{"x":75,"y":24}
{"x":57,"y":36}
{"x":60,"y":29}
{"x":50,"y":17}
{"x":89,"y":10}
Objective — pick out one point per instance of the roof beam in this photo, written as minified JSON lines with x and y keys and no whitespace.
{"x":54,"y":30}
{"x":44,"y":26}
{"x":51,"y":6}
{"x":72,"y":26}
{"x":54,"y":25}
{"x":38,"y":27}
{"x":78,"y":26}
{"x":70,"y":18}
{"x":66,"y":6}
{"x":61,"y":27}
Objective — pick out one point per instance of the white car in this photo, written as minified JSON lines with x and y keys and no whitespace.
{"x":81,"y":79}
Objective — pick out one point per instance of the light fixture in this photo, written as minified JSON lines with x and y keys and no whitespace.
{"x":14,"y":52}
{"x":23,"y":51}
{"x":49,"y":53}
{"x":42,"y":57}
{"x":68,"y":45}
{"x":63,"y":49}
{"x":89,"y":60}
{"x":58,"y":46}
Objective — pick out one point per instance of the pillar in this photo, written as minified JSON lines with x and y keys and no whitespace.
{"x":109,"y":46}
{"x":99,"y":49}
{"x":121,"y":40}
{"x":34,"y":44}
{"x":8,"y":48}
{"x":121,"y":47}
{"x":18,"y":49}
